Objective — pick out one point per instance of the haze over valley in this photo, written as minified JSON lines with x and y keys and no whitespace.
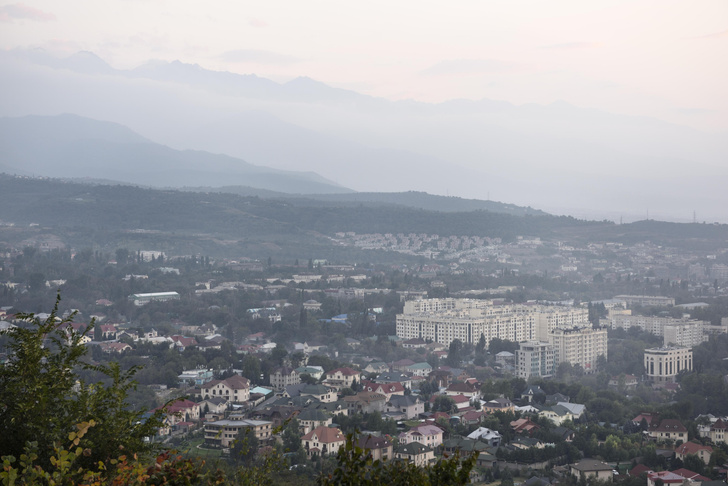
{"x":558,"y":157}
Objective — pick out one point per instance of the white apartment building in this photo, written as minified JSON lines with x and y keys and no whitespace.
{"x":654,"y":300}
{"x":443,"y":320}
{"x":653,"y":325}
{"x":663,"y":364}
{"x":535,"y":358}
{"x":566,"y":329}
{"x":688,"y":334}
{"x":581,"y":346}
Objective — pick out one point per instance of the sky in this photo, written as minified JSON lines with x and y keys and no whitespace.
{"x":659,"y":58}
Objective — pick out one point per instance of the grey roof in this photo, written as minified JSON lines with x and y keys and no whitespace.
{"x":403,"y":400}
{"x":591,"y":465}
{"x":313,"y":414}
{"x":411,"y":449}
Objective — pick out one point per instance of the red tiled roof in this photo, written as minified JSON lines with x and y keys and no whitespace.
{"x":325,"y":435}
{"x":692,"y":448}
{"x":688,"y":474}
{"x":639,"y":469}
{"x":343,"y":371}
{"x":670,"y":425}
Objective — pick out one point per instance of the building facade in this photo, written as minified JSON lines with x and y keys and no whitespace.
{"x":443,"y":320}
{"x":663,"y":364}
{"x":535,"y":358}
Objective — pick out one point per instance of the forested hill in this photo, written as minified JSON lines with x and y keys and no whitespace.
{"x":287,"y":224}
{"x":411,"y":199}
{"x":54,"y":202}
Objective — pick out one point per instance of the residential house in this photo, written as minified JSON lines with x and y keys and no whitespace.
{"x":215,"y":406}
{"x":366,"y":402}
{"x":108,"y":331}
{"x":414,"y":343}
{"x":532,"y":391}
{"x":376,"y":367}
{"x":565,"y":434}
{"x":342,"y":377}
{"x":472,"y":417}
{"x":402,"y":364}
{"x":591,"y":468}
{"x":387,"y":389}
{"x":718,"y":432}
{"x":380,"y":448}
{"x":235,"y":389}
{"x":419,"y":369}
{"x":627,"y":382}
{"x":223,"y":433}
{"x":179,"y":412}
{"x":410,"y":406}
{"x":196,"y":377}
{"x":278,"y":415}
{"x":668,"y":429}
{"x":418,"y":454}
{"x":394,"y":377}
{"x":484,"y":434}
{"x":465,"y":447}
{"x":576,"y":409}
{"x":555,"y":398}
{"x":524,"y":426}
{"x":284,"y":376}
{"x":470,"y":390}
{"x":321,"y":393}
{"x":311,"y":418}
{"x":558,"y":414}
{"x":687,"y":448}
{"x":429,"y":435}
{"x":499,"y":405}
{"x":691,"y":477}
{"x":324,"y":441}
{"x":665,"y":478}
{"x":316,"y":372}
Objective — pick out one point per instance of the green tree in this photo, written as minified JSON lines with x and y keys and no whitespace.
{"x":292,"y":436}
{"x":42,"y":400}
{"x":245,"y":447}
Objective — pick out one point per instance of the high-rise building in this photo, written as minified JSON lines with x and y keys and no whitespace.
{"x":535,"y":358}
{"x":567,"y":329}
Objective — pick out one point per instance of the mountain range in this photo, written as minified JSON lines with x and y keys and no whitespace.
{"x":558,"y":157}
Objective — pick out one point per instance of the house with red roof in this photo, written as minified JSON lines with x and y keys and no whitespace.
{"x":649,"y":417}
{"x":666,"y":477}
{"x":386,"y":389}
{"x":691,"y":476}
{"x":108,"y":331}
{"x":639,"y":470}
{"x":179,"y":412}
{"x":688,"y":448}
{"x":473,"y":417}
{"x":668,"y":429}
{"x":183,"y":342}
{"x":524,"y":426}
{"x":402,"y":364}
{"x":234,"y":389}
{"x":323,"y":441}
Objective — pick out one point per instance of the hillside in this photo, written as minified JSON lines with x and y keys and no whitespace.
{"x":70,"y":146}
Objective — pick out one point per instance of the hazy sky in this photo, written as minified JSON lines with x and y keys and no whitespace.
{"x":662,"y":58}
